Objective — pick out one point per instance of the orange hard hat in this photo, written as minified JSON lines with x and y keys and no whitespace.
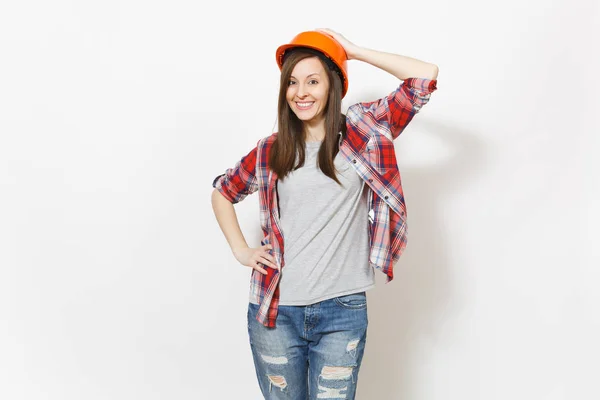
{"x":323,"y":43}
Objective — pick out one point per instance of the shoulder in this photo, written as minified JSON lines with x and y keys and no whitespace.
{"x":267,"y":141}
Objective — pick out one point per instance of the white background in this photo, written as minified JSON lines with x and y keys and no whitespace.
{"x":115,"y":116}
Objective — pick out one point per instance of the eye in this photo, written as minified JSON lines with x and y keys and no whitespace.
{"x":290,"y":82}
{"x":314,"y":80}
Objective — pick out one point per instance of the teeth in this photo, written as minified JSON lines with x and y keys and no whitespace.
{"x":305,"y":104}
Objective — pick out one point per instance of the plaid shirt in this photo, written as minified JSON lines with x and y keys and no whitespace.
{"x":368,"y":146}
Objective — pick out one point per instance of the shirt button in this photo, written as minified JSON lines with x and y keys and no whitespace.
{"x":370,"y":180}
{"x":353,"y":161}
{"x":386,"y":197}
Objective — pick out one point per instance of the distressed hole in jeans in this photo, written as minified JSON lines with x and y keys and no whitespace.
{"x":331,"y":393}
{"x":277,"y":360}
{"x":352,"y":345}
{"x":336,"y":372}
{"x":277,"y":380}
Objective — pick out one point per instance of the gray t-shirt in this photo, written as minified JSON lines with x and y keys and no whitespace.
{"x":325,"y":233}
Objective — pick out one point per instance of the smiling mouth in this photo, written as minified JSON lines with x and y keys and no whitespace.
{"x":304,"y":105}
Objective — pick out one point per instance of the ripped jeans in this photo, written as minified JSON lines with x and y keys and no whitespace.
{"x":314,"y":352}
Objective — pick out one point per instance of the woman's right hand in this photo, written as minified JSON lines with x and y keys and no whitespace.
{"x":251,"y":256}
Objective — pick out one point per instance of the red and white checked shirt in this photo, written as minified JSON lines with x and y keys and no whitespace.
{"x":368,"y":146}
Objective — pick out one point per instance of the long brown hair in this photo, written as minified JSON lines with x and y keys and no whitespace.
{"x":290,"y":136}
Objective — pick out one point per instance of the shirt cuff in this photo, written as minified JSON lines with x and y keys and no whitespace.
{"x":423,"y":85}
{"x":218,"y":184}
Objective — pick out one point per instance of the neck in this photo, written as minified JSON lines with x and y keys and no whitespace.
{"x":314,"y":132}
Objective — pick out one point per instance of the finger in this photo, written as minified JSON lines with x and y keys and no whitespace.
{"x":266,"y":260}
{"x":273,"y":260}
{"x":268,"y":256}
{"x":259,"y":269}
{"x":331,"y":31}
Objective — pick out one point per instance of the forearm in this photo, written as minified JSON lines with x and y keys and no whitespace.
{"x":401,"y":67}
{"x":228,"y":222}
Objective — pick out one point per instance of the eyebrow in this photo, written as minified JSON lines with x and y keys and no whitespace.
{"x":314,"y":73}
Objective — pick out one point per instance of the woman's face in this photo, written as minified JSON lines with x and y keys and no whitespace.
{"x":308,"y":90}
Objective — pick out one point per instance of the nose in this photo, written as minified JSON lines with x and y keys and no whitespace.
{"x":301,"y":91}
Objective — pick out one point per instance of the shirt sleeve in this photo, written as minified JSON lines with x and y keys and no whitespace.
{"x":393,"y":112}
{"x":240,"y":181}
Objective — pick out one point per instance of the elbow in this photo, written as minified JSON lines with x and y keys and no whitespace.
{"x":218,"y":199}
{"x":216,"y":196}
{"x":435,"y":70}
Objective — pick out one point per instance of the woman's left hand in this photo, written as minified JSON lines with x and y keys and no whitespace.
{"x":349,"y":47}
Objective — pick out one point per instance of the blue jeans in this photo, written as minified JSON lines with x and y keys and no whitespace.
{"x":314,"y":352}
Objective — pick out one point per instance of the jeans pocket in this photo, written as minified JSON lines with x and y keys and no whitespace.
{"x":355,"y":301}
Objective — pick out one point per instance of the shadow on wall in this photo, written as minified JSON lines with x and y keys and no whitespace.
{"x":405,"y":311}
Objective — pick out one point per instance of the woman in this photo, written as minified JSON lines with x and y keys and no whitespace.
{"x":329,"y":188}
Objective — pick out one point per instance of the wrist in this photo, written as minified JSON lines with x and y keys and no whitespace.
{"x":356,"y":53}
{"x":235,"y":249}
